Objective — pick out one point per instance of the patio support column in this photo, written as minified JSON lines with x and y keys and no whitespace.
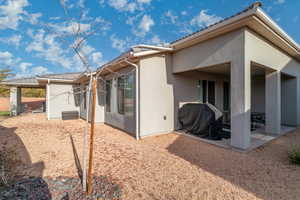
{"x":15,"y":101}
{"x":240,"y":82}
{"x":273,"y":102}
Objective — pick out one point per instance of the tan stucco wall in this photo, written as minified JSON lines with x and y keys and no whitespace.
{"x":260,"y":51}
{"x":156,"y":97}
{"x":223,"y":49}
{"x":61,"y":99}
{"x":162,"y":92}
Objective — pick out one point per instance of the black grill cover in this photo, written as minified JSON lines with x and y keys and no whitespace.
{"x":198,"y":119}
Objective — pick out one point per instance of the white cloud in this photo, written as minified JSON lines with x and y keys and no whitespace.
{"x":118,"y":4}
{"x":24,"y":66}
{"x":48,"y":48}
{"x":14,"y":40}
{"x":184,"y":12}
{"x":296,"y":19}
{"x":6,"y":58}
{"x":173,"y":18}
{"x":81,"y":3}
{"x":125,"y":5}
{"x":144,"y":1}
{"x":70,"y":28}
{"x":39,"y":70}
{"x":279,"y":1}
{"x":144,"y":26}
{"x":203,"y":19}
{"x":146,"y":23}
{"x":101,"y":2}
{"x":11,"y":13}
{"x":118,"y":44}
{"x":97,"y":58}
{"x":156,"y":40}
{"x":33,"y":18}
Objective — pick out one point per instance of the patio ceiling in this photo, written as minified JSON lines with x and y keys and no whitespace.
{"x":224,"y":69}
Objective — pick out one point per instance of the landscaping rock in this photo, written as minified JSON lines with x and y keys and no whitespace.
{"x":60,"y":188}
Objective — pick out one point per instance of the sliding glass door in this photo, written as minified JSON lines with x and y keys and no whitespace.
{"x":206,"y":91}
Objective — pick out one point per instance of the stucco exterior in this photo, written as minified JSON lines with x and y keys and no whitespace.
{"x":259,"y":50}
{"x":61,"y":98}
{"x":263,"y":77}
{"x":156,"y":97}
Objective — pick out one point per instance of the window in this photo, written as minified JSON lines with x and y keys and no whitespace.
{"x":121,"y":95}
{"x":129,"y":95}
{"x":126,"y":95}
{"x":84,"y":100}
{"x":206,"y":91}
{"x":108,"y":95}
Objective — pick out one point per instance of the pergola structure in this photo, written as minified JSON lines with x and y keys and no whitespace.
{"x":15,"y":92}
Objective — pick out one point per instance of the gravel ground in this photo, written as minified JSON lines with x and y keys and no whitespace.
{"x":162,"y":167}
{"x":60,"y":188}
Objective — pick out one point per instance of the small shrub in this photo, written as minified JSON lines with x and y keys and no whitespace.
{"x":294,"y":156}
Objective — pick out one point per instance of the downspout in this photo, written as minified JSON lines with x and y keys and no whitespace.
{"x":48,"y":99}
{"x":137,"y":99}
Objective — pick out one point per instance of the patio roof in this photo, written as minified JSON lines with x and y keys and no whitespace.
{"x":39,"y":81}
{"x":25,"y":82}
{"x":64,"y":76}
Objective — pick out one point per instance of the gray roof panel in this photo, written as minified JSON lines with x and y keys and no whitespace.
{"x":64,"y":76}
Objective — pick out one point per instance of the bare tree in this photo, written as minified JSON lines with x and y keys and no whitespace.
{"x":74,"y":33}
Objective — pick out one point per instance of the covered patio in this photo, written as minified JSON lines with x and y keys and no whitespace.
{"x":16,"y":85}
{"x":257,"y":103}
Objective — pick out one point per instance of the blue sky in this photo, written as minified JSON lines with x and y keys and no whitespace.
{"x":30,"y":29}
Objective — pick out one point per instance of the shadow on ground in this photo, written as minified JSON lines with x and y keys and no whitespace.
{"x":264,"y":172}
{"x":17,"y":170}
{"x":22,"y":179}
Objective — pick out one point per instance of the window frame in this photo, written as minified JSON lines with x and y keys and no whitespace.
{"x":204,"y":95}
{"x":119,"y":92}
{"x":108,"y":90}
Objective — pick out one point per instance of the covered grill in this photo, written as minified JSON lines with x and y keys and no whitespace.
{"x":200,"y":119}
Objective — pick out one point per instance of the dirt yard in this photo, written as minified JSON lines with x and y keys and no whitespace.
{"x":33,"y":103}
{"x":164,"y":167}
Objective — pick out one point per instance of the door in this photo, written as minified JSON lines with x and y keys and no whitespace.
{"x":206,"y":91}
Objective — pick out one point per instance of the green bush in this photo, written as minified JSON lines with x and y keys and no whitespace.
{"x":294,"y":156}
{"x":4,"y":113}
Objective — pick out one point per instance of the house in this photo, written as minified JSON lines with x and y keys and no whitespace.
{"x":243,"y":64}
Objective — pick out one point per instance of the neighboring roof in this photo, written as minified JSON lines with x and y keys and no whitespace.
{"x":64,"y":76}
{"x":35,"y":81}
{"x":21,"y":81}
